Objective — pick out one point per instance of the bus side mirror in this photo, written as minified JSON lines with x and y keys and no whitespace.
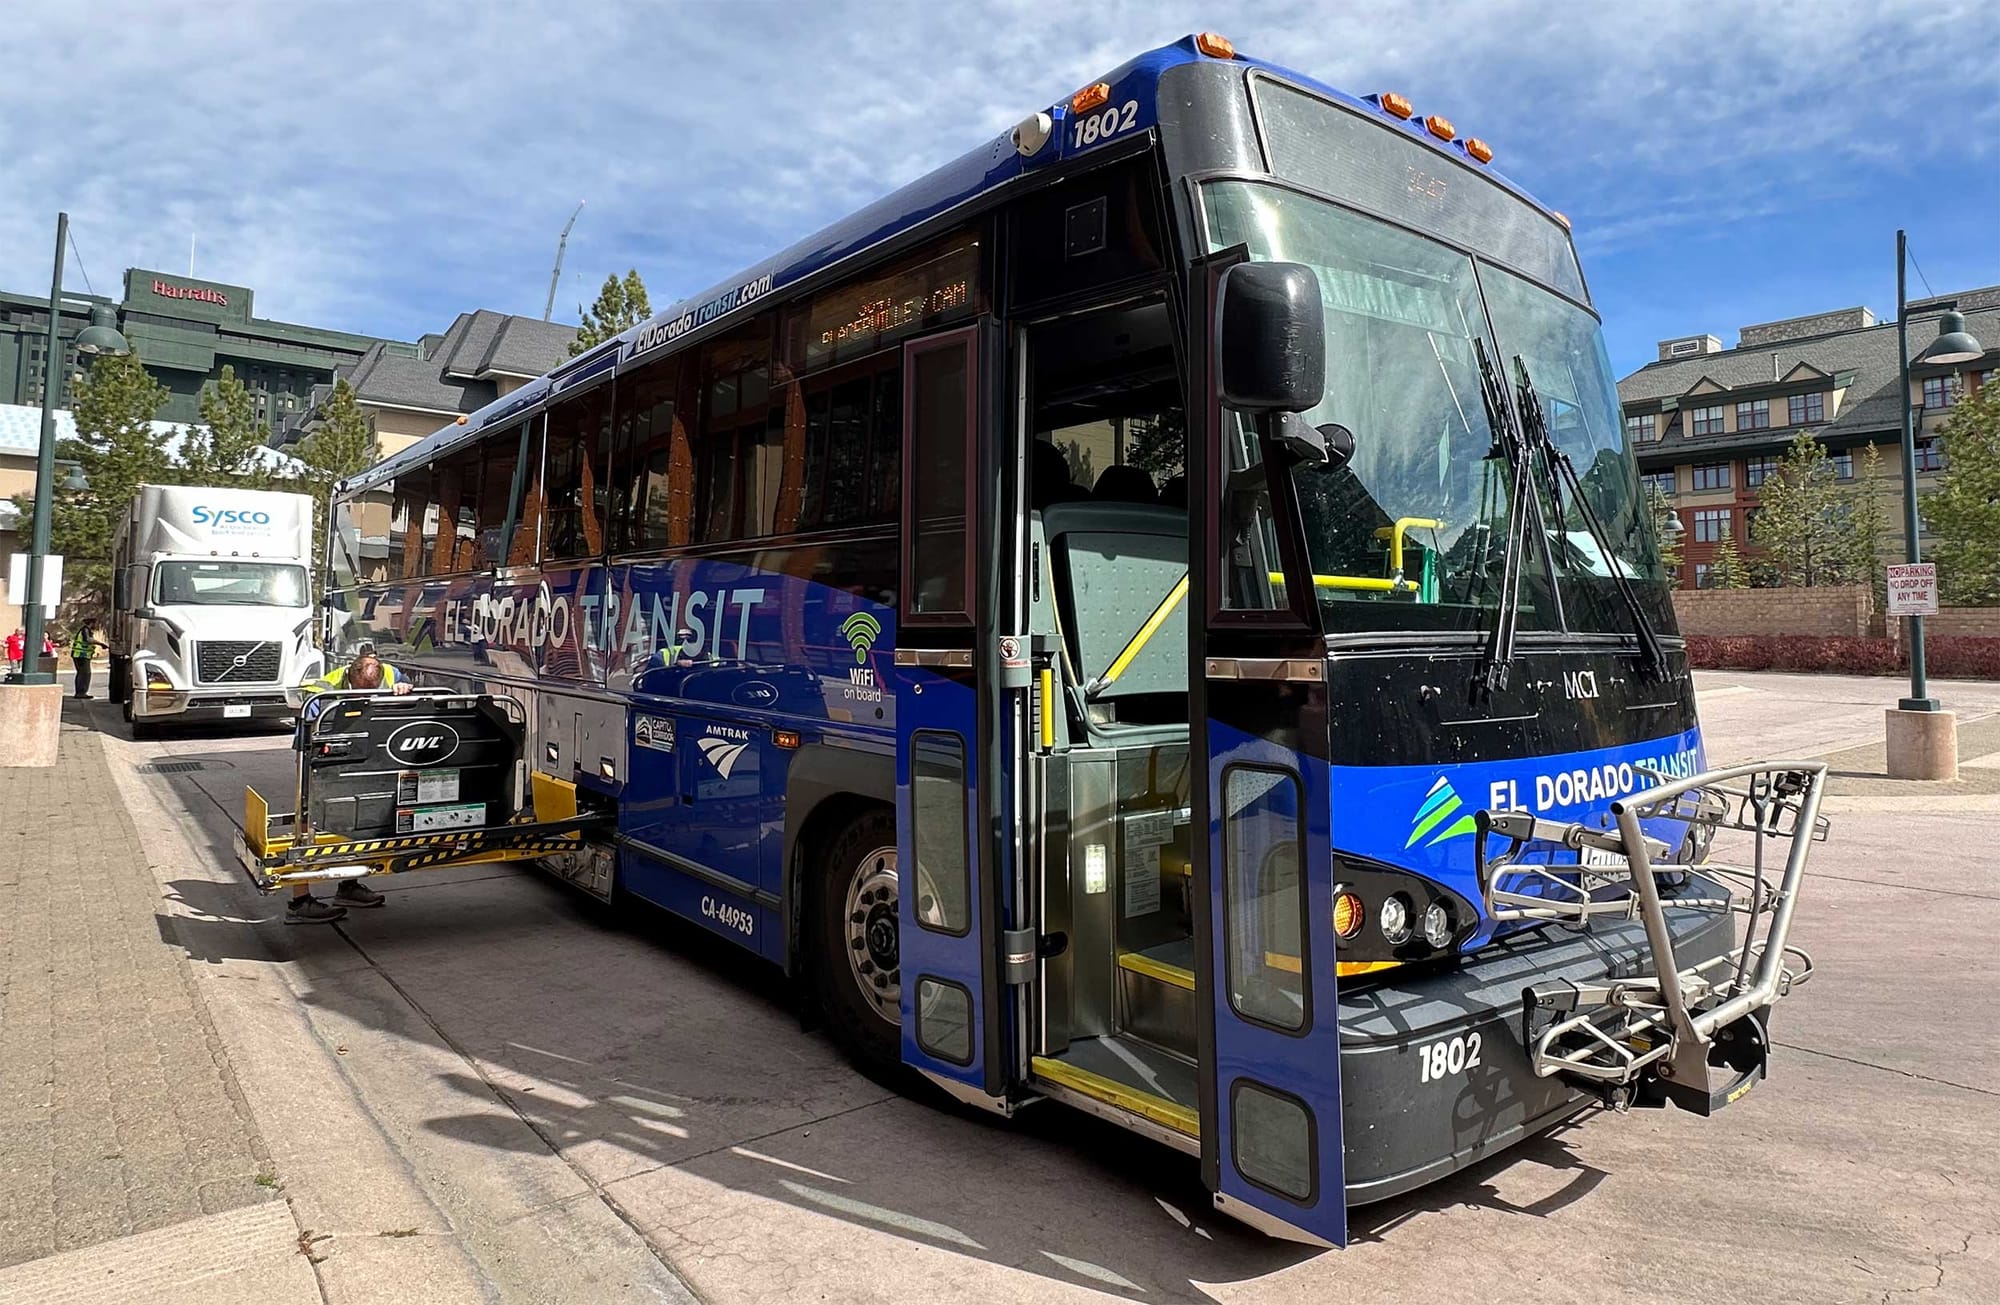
{"x":1271,"y":336}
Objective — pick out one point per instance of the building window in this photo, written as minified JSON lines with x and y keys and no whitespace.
{"x":1843,"y":462}
{"x":1641,"y":428}
{"x":1805,"y":408}
{"x":1708,"y":421}
{"x":1754,"y":415}
{"x":1756,"y":469}
{"x":1711,"y":475}
{"x":1710,"y":525}
{"x":1930,"y":455}
{"x":1701,"y":575}
{"x":1939,"y":392}
{"x":1659,"y":482}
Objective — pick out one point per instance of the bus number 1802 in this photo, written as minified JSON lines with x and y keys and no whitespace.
{"x":1447,"y":1056}
{"x":1094,"y":127}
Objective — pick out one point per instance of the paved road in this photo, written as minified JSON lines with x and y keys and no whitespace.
{"x":573,"y":1104}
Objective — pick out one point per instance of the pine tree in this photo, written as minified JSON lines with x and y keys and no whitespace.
{"x":1963,"y":513}
{"x":1803,"y":527}
{"x":620,"y":306}
{"x":1728,"y":570}
{"x":1867,"y":518}
{"x":117,"y":451}
{"x":227,"y":448}
{"x":340,"y":446}
{"x":1666,"y":529}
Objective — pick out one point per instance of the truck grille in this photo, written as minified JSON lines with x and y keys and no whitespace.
{"x":215,"y":661}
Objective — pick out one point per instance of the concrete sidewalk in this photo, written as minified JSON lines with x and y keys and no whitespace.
{"x":120,"y":1111}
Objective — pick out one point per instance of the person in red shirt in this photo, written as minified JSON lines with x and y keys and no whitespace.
{"x":17,"y":648}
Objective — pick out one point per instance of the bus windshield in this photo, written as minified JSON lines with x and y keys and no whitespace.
{"x":230,"y":584}
{"x":1409,"y":534}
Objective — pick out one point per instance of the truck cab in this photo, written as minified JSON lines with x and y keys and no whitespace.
{"x":211,"y":605}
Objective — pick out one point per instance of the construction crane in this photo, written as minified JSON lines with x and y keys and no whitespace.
{"x":555,"y":277}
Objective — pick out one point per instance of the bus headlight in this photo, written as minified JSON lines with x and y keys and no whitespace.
{"x":1437,"y":925}
{"x":1395,"y":919}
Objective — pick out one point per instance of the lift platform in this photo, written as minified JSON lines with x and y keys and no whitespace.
{"x":391,"y":783}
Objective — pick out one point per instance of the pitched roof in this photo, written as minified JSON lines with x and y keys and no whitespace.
{"x":526,"y":347}
{"x":1872,"y":402}
{"x":454,"y":372}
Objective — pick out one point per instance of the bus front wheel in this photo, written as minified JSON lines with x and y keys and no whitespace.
{"x":859,"y":977}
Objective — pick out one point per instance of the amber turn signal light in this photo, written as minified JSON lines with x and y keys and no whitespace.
{"x":1215,"y":45}
{"x":1348,"y":914}
{"x":1089,"y":97}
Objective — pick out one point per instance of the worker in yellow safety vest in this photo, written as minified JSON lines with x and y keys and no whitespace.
{"x":366,"y":671}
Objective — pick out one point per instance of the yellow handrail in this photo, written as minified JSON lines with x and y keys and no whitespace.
{"x":1138,"y":642}
{"x":1394,"y":534}
{"x":1372,"y":584}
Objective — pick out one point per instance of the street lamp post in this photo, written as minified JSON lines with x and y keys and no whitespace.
{"x":1923,"y":738}
{"x":99,"y":338}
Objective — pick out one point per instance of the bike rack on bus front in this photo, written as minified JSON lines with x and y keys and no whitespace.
{"x":1653,"y":1037}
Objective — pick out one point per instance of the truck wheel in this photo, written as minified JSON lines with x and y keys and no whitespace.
{"x":118,"y":678}
{"x":856,"y":967}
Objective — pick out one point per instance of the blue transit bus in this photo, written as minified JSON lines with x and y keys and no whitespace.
{"x":1157,"y":615}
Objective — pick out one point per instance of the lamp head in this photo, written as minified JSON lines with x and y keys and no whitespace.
{"x":1954,"y":343}
{"x":101,"y":338}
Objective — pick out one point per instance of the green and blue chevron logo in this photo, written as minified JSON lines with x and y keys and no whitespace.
{"x":1439,"y":804}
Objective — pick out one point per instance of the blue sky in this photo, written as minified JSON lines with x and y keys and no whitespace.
{"x":380,"y":167}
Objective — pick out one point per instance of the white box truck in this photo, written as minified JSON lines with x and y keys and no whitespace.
{"x":212,"y":614}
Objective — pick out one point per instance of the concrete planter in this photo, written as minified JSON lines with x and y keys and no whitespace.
{"x":30,"y":724}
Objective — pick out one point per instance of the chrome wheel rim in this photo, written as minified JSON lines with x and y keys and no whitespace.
{"x":874,"y":954}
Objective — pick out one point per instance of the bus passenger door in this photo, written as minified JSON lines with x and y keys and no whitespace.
{"x":947,"y":909}
{"x":1269,"y":1045}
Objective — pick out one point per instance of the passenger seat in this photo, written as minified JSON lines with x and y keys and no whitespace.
{"x":1124,"y":484}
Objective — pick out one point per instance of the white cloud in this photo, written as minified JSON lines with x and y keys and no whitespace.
{"x":381,"y":166}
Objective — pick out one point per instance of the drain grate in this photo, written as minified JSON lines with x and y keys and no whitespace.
{"x":173,"y":767}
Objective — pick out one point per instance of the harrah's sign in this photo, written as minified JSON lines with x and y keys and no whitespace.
{"x":200,"y":292}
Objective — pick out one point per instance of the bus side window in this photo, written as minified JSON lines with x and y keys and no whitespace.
{"x":453,"y":508}
{"x":531,"y":512}
{"x":502,"y":451}
{"x":653,"y":464}
{"x":577,"y":432}
{"x":412,"y":525}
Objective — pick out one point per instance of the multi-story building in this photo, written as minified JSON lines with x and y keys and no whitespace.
{"x":409,"y":390}
{"x":185,"y":331}
{"x":1709,"y":423}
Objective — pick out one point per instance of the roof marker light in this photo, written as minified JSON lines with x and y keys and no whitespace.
{"x":1090,"y":97}
{"x":1560,"y":218}
{"x":1479,"y":149}
{"x":1215,"y":45}
{"x":1394,"y":105}
{"x":1032,"y":133}
{"x":1440,"y":127}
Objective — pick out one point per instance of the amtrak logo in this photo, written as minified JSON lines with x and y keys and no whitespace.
{"x":722,"y":753}
{"x":1439,"y":805}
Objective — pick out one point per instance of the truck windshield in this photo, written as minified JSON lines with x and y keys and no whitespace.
{"x":1409,"y":534}
{"x":229,"y":584}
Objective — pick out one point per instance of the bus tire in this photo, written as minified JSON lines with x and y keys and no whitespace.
{"x":856,"y":942}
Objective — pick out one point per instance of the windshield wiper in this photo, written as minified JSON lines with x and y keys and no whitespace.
{"x":1490,"y":673}
{"x":1563,"y":478}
